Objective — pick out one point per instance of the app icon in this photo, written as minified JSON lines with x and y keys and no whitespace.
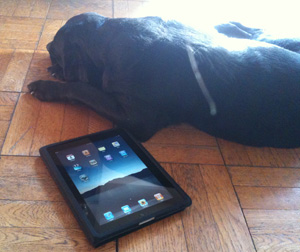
{"x":102,"y":149}
{"x":86,"y":153}
{"x":158,"y":196}
{"x":123,"y":153}
{"x":93,"y":162}
{"x":143,"y":203}
{"x":116,"y":144}
{"x":70,"y":157}
{"x":126,"y":209}
{"x":77,"y":167}
{"x":109,"y":216}
{"x":108,"y":157}
{"x":83,"y":178}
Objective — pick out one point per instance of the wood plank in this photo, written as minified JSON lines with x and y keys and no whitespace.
{"x":49,"y":31}
{"x":29,"y":188}
{"x":200,"y":228}
{"x":20,"y":32}
{"x":233,"y":231}
{"x":140,"y":240}
{"x":40,"y":9}
{"x":127,"y":8}
{"x":97,"y":123}
{"x":24,"y":8}
{"x":261,"y":156}
{"x":47,"y":239}
{"x":8,"y":98}
{"x":142,"y":8}
{"x":20,"y":134}
{"x":36,"y":214}
{"x":271,"y":198}
{"x":49,"y":126}
{"x":3,"y":129}
{"x":165,"y":235}
{"x":38,"y":69}
{"x":274,"y":230}
{"x":6,"y":112}
{"x":69,"y":8}
{"x":10,"y":166}
{"x":185,"y":154}
{"x":75,"y":122}
{"x":5,"y":58}
{"x":168,"y":235}
{"x":32,"y":8}
{"x":21,"y":24}
{"x":181,"y":136}
{"x":262,"y":176}
{"x":16,"y":70}
{"x":233,"y":153}
{"x":240,"y":155}
{"x":7,"y":8}
{"x":286,"y":157}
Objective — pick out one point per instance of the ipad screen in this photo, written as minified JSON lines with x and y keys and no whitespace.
{"x":111,"y":178}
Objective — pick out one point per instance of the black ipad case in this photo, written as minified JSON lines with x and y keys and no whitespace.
{"x":101,"y":234}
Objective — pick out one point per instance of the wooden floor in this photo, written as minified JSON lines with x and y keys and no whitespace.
{"x":244,"y":199}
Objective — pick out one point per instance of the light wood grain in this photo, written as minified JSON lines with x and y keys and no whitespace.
{"x":7,"y":8}
{"x":234,"y":234}
{"x":68,"y":8}
{"x":262,"y":176}
{"x":47,"y":239}
{"x":8,"y":98}
{"x":32,"y":8}
{"x":180,"y":136}
{"x":36,"y":214}
{"x":128,"y":8}
{"x":48,"y":127}
{"x":76,"y":121}
{"x":269,"y":198}
{"x":29,"y":188}
{"x":6,"y":112}
{"x":274,"y":230}
{"x":20,"y":32}
{"x":98,"y":123}
{"x":21,"y":131}
{"x":3,"y":129}
{"x":5,"y":58}
{"x":185,"y":154}
{"x":16,"y":71}
{"x":233,"y":153}
{"x":10,"y":166}
{"x":198,"y":221}
{"x":38,"y":69}
{"x":239,"y":155}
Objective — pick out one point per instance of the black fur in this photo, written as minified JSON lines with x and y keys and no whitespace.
{"x":136,"y":72}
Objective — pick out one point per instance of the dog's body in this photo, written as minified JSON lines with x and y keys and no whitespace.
{"x":137,"y":73}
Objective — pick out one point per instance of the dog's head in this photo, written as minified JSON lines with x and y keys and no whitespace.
{"x":66,"y":48}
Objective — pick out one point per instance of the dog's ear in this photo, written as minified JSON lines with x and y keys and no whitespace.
{"x":73,"y":61}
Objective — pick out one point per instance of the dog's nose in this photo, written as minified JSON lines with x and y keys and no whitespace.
{"x":48,"y":46}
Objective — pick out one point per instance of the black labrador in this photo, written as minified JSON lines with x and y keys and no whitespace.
{"x":145,"y":74}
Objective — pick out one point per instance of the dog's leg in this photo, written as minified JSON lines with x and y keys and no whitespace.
{"x":140,"y":121}
{"x":236,"y":30}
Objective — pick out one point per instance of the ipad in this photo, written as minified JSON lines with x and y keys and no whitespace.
{"x":112,"y":184}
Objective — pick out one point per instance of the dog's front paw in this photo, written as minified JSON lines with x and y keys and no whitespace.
{"x":46,"y":90}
